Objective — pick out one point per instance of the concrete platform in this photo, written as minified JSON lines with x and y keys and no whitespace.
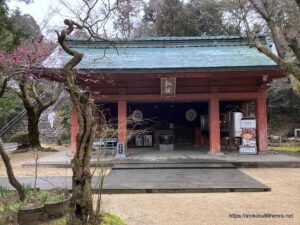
{"x":188,"y":180}
{"x":160,"y":178}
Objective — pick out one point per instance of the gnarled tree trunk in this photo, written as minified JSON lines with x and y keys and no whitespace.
{"x":81,"y":201}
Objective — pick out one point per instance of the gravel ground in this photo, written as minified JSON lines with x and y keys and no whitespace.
{"x":17,"y":159}
{"x":214,"y":208}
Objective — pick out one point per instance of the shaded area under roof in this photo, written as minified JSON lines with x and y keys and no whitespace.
{"x":203,"y":53}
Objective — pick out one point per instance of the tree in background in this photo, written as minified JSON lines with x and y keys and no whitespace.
{"x":127,"y":14}
{"x":279,"y":18}
{"x":185,"y":18}
{"x":19,"y":63}
{"x":17,"y":60}
{"x":173,"y":19}
{"x":25,"y":22}
{"x":11,"y":32}
{"x":283,"y":19}
{"x":208,"y":18}
{"x":11,"y":105}
{"x":146,"y":26}
{"x":10,"y":37}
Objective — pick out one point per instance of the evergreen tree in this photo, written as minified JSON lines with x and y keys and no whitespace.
{"x":11,"y":31}
{"x":187,"y":18}
{"x":127,"y":14}
{"x":172,"y":20}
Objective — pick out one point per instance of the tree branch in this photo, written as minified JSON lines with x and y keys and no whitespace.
{"x":36,"y":95}
{"x":288,"y":67}
{"x":261,"y":9}
{"x":25,"y":95}
{"x":3,"y":86}
{"x":294,"y":42}
{"x":5,"y":82}
{"x":266,"y":11}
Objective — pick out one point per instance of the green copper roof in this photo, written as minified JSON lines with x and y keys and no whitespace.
{"x":203,"y":53}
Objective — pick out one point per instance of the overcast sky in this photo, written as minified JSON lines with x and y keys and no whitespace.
{"x":38,"y":9}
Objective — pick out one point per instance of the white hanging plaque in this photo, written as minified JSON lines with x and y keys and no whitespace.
{"x":168,"y":87}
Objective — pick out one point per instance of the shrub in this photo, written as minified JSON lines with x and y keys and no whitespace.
{"x":21,"y":138}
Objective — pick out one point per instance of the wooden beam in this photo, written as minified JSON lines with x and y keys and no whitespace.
{"x":198,"y":74}
{"x":181,"y":97}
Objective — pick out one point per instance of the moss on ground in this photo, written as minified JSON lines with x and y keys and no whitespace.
{"x":286,"y":149}
{"x":107,"y":219}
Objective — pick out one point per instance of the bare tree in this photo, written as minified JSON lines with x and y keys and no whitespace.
{"x":286,"y":39}
{"x":282,"y":19}
{"x":10,"y":173}
{"x":81,"y":200}
{"x":106,"y":131}
{"x":91,"y":23}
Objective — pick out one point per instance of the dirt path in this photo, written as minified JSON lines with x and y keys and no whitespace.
{"x":214,"y":208}
{"x":17,"y":160}
{"x":20,"y":158}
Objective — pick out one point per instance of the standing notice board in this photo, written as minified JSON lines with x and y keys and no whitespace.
{"x":248,"y":144}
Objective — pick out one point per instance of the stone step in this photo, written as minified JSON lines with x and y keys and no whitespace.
{"x":173,"y":166}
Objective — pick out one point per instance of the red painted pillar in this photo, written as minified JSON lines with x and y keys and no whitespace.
{"x":245,"y":109}
{"x":122,"y":122}
{"x":74,"y":131}
{"x":261,"y":125}
{"x":214,"y":126}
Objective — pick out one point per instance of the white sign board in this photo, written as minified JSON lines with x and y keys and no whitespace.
{"x":168,"y":87}
{"x":121,"y":154}
{"x":248,"y":123}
